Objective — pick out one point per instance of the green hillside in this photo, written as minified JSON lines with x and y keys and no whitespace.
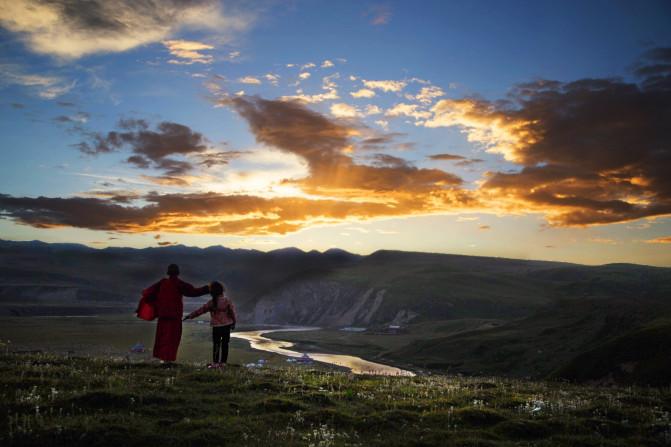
{"x":56,"y":401}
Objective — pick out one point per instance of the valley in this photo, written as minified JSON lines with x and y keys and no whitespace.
{"x":430,"y":312}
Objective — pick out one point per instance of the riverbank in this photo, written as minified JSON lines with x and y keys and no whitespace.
{"x":357,"y":365}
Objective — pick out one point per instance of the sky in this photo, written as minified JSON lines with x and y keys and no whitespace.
{"x":520,"y":129}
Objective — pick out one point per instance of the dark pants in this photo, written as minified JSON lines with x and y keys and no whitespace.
{"x":221,"y":335}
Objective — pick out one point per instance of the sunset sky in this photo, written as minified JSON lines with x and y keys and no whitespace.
{"x":535,"y":130}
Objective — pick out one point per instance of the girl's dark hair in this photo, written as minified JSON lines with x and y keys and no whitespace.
{"x":216,"y":290}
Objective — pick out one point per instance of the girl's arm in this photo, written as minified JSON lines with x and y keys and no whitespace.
{"x":200,"y":311}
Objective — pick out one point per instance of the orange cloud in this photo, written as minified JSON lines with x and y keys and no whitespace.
{"x":659,"y":240}
{"x":205,"y":213}
{"x":324,"y":143}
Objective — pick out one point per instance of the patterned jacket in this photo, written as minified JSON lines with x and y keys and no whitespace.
{"x":223,"y":315}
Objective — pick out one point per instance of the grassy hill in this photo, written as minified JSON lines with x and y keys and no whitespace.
{"x":55,"y":401}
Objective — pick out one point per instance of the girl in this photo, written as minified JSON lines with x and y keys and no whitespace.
{"x":222,"y":320}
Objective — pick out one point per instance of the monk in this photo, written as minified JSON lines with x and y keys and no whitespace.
{"x":167,"y":297}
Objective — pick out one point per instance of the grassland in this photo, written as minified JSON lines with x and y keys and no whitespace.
{"x":48,"y":400}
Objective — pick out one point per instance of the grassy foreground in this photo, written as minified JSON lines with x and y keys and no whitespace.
{"x":51,"y":400}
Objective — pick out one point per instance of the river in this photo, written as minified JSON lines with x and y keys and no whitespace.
{"x":355,"y":364}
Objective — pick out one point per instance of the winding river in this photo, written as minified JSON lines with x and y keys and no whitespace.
{"x":355,"y":364}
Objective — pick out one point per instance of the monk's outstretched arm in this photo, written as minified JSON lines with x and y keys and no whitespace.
{"x":190,"y":291}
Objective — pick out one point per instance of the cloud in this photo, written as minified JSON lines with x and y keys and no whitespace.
{"x":45,"y":86}
{"x":372,"y":109}
{"x":210,"y":159}
{"x":79,"y":117}
{"x":426,"y":95}
{"x":70,"y":29}
{"x":460,"y":160}
{"x":484,"y":227}
{"x":659,"y":240}
{"x":379,"y":142}
{"x":378,"y":15}
{"x":327,"y":64}
{"x":385,"y":86}
{"x":342,"y":110}
{"x":207,"y":213}
{"x":272,"y":78}
{"x":386,"y":160}
{"x":323,"y":143}
{"x":410,"y":110}
{"x":333,"y":187}
{"x":329,"y":83}
{"x":469,"y":162}
{"x":603,"y":240}
{"x":448,"y":157}
{"x":304,"y":75}
{"x":93,"y":213}
{"x":592,"y":151}
{"x":329,"y":95}
{"x":249,"y":80}
{"x":188,"y":52}
{"x":150,"y":148}
{"x":384,"y":124}
{"x":363,"y":93}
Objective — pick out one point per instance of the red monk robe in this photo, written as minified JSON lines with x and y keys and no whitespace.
{"x":169,"y":308}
